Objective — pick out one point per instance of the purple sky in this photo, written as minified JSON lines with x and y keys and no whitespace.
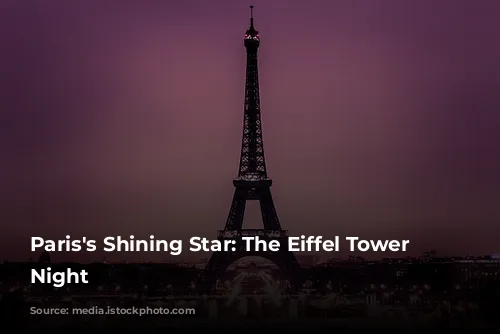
{"x":381,"y":119}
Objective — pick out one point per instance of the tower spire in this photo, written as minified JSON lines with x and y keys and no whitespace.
{"x":251,"y":16}
{"x":251,"y":32}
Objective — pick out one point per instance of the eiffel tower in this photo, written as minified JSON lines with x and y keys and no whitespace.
{"x":252,"y":184}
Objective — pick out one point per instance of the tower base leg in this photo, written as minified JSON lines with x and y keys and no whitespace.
{"x":220,"y":261}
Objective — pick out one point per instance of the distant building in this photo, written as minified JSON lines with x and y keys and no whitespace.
{"x":44,"y":257}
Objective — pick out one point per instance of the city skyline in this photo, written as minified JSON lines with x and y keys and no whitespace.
{"x":379,"y":120}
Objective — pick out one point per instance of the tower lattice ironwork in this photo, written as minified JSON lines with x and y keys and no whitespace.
{"x":252,"y":183}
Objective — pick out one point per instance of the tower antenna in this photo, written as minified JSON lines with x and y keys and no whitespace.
{"x":251,"y":15}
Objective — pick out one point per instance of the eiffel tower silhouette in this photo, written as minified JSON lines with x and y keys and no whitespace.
{"x":252,"y":184}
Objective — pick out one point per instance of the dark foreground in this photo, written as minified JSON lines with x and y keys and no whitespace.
{"x":254,"y":326}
